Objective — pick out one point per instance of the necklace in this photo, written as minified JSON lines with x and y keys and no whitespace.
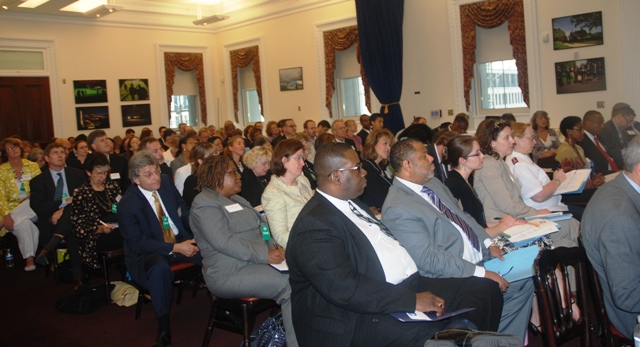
{"x":106,"y":204}
{"x":380,"y":171}
{"x":15,"y":175}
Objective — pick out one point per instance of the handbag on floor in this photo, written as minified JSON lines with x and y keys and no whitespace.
{"x":269,"y":334}
{"x":86,"y":299}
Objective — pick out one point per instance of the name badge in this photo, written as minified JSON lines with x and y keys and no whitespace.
{"x":114,"y":208}
{"x":118,"y":198}
{"x":115,"y":176}
{"x":233,"y":208}
{"x":165,"y":223}
{"x":26,"y":177}
{"x":264,"y":229}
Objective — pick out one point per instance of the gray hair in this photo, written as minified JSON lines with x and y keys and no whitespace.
{"x":139,"y":161}
{"x":631,"y":155}
{"x":251,"y":159}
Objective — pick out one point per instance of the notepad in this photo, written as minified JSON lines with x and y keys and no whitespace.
{"x":427,"y":316}
{"x":575,"y":182}
{"x":282,"y":267}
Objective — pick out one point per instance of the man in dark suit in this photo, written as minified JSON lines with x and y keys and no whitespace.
{"x":437,"y":151}
{"x":51,"y":196}
{"x":153,"y":146}
{"x":287,"y":129}
{"x":366,"y":128}
{"x":154,"y":221}
{"x":610,"y":233}
{"x":593,"y":123}
{"x":99,"y":142}
{"x":348,"y":273}
{"x":615,"y":135}
{"x":339,"y":131}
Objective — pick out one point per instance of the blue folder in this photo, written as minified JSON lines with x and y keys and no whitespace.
{"x":516,"y":265}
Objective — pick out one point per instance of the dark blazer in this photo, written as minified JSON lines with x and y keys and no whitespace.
{"x":43,"y":189}
{"x":591,"y":151}
{"x":253,"y":187}
{"x":378,"y":184}
{"x":467,"y":196}
{"x":140,"y":228}
{"x":309,"y":172}
{"x":440,"y":171}
{"x":363,"y":135}
{"x":277,"y":139}
{"x":610,"y":139}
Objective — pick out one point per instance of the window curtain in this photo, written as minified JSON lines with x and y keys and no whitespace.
{"x":380,"y":35}
{"x":241,"y":58}
{"x":488,"y":15}
{"x":341,"y":39}
{"x":185,"y":62}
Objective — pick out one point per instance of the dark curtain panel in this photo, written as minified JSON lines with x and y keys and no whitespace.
{"x":380,"y":34}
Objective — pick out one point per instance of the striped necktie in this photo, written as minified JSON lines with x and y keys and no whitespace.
{"x":370,"y":220}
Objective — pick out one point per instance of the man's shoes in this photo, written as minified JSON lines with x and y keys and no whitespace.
{"x":163,"y":339}
{"x":42,"y":258}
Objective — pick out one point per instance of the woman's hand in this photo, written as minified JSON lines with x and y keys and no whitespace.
{"x":7,"y":222}
{"x":276,"y":256}
{"x":105,"y":228}
{"x":559,"y":175}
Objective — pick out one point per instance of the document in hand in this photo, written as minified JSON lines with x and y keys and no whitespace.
{"x":516,"y":265}
{"x":531,"y":230}
{"x":575,"y":182}
{"x":426,"y":316}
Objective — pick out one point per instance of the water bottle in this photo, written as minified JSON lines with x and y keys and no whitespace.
{"x":636,"y":333}
{"x":8,"y":258}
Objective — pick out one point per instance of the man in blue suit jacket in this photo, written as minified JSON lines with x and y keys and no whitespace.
{"x":153,"y":239}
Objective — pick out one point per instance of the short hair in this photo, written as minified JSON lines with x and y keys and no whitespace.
{"x":160,"y":128}
{"x":260,"y":141}
{"x":333,"y":124}
{"x":283,"y":122}
{"x":200,"y":151}
{"x":13,"y":141}
{"x":94,"y":160}
{"x":301,"y":136}
{"x":348,"y":122}
{"x":622,"y":108}
{"x":284,"y":149}
{"x":446,"y":137}
{"x":369,"y":148}
{"x":51,"y":146}
{"x":487,"y":132}
{"x":81,"y":137}
{"x":167,"y":133}
{"x":304,"y":125}
{"x":568,"y":123}
{"x":416,"y":120}
{"x":129,"y":131}
{"x":461,"y":118}
{"x":374,"y":117}
{"x":444,"y":125}
{"x":269,"y":124}
{"x":508,"y":117}
{"x":329,"y":158}
{"x":147,"y":140}
{"x":203,"y":130}
{"x":254,"y":131}
{"x":362,"y":117}
{"x":139,"y":161}
{"x":631,"y":155}
{"x":251,"y":159}
{"x":325,"y":124}
{"x":94,"y":135}
{"x":33,"y":155}
{"x":211,"y":173}
{"x":247,"y":130}
{"x":537,"y":115}
{"x":78,"y":142}
{"x":401,"y":151}
{"x":590,"y":115}
{"x":518,"y":129}
{"x":459,"y":147}
{"x":324,"y":139}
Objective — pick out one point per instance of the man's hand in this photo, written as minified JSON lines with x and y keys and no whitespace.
{"x":56,"y":215}
{"x":276,"y":256}
{"x":504,"y":285}
{"x":428,"y":302}
{"x":496,"y":252}
{"x":543,"y":211}
{"x":186,"y":248}
{"x":68,"y":200}
{"x":7,"y":222}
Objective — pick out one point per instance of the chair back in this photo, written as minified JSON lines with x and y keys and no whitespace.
{"x":554,"y":292}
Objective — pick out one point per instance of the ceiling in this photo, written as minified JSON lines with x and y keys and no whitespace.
{"x":175,"y":14}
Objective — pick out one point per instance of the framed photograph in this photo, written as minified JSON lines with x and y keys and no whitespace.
{"x":136,"y":115}
{"x":94,"y":117}
{"x":90,"y":91}
{"x":291,"y":79}
{"x":577,"y":76}
{"x":580,"y":30}
{"x":134,"y":89}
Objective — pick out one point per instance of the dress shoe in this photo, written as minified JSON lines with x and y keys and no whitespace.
{"x":534,"y":329}
{"x":163,"y":339}
{"x":30,"y":267}
{"x":42,"y":258}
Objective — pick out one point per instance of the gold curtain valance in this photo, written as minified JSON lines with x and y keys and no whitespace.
{"x":185,"y":62}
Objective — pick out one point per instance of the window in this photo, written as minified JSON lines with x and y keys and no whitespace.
{"x":252,"y":111}
{"x":184,"y":109}
{"x":497,"y":85}
{"x":351,"y":94}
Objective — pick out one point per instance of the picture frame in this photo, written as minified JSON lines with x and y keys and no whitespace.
{"x":291,"y":79}
{"x":136,"y":115}
{"x":577,"y":31}
{"x":92,"y":117}
{"x":134,"y":89}
{"x":90,"y":91}
{"x":578,"y":76}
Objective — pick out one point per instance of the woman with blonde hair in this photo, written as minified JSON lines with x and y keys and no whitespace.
{"x":256,"y":175}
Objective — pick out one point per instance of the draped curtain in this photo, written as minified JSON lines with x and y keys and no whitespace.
{"x":380,"y":38}
{"x":241,"y":58}
{"x":185,"y":62}
{"x":341,"y":39}
{"x":488,"y":15}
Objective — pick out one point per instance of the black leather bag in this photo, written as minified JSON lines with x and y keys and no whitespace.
{"x":270,"y":334}
{"x":472,"y":338}
{"x":86,"y":299}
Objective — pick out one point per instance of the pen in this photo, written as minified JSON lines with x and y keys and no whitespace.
{"x":103,"y":223}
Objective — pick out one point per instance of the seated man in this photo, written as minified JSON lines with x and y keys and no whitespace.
{"x":444,"y":246}
{"x":348,"y":273}
{"x":51,"y":193}
{"x":153,"y":221}
{"x":610,"y":227}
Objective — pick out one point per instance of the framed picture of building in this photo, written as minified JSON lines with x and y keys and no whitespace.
{"x":577,"y":76}
{"x":92,"y":117}
{"x":580,"y":30}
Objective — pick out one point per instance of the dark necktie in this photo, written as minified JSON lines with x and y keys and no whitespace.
{"x":447,"y":212}
{"x":59,"y":187}
{"x":613,"y":165}
{"x":167,"y":233}
{"x":370,"y":220}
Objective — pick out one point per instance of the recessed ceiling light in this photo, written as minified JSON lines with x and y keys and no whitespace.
{"x":83,"y":6}
{"x":32,"y":3}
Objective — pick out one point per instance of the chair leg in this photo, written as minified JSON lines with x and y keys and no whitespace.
{"x":180,"y":290}
{"x":245,"y":323}
{"x":212,"y":317}
{"x":105,"y":272}
{"x":139,"y":304}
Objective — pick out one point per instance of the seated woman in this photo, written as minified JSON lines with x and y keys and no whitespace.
{"x":94,"y":209}
{"x":18,"y":217}
{"x":499,"y":190}
{"x":375,"y":161}
{"x":81,"y":150}
{"x":199,"y":152}
{"x":235,"y":258}
{"x":546,"y":140}
{"x":37,"y":156}
{"x":185,"y":145}
{"x":256,"y":175}
{"x":235,"y":150}
{"x":570,"y":155}
{"x":538,"y":191}
{"x":308,"y":170}
{"x":288,"y":190}
{"x":131,"y":146}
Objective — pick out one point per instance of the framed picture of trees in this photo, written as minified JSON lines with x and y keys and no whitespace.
{"x":580,"y":30}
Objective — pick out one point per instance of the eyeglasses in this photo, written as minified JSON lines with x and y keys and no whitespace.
{"x":11,"y":148}
{"x":100,"y":173}
{"x":297,"y":157}
{"x":477,"y":154}
{"x":346,"y":169}
{"x":151,"y":174}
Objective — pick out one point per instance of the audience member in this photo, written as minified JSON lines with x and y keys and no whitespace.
{"x":37,"y":156}
{"x":366,"y":128}
{"x":118,"y":145}
{"x":272,"y":130}
{"x":152,"y":145}
{"x":309,"y":153}
{"x":614,"y":136}
{"x":203,"y":134}
{"x":255,"y":179}
{"x":508,"y":117}
{"x":322,"y":127}
{"x":235,"y":150}
{"x":438,"y":151}
{"x":594,"y":150}
{"x":570,"y":155}
{"x":161,"y":131}
{"x":81,"y":151}
{"x":324,"y":139}
{"x":547,"y":141}
{"x":375,"y":156}
{"x":310,"y":129}
{"x":264,"y":142}
{"x":185,"y":145}
{"x":351,"y":134}
{"x":460,"y":125}
{"x":173,"y":143}
{"x":99,"y":143}
{"x":132,"y":146}
{"x":376,"y":121}
{"x":146,"y":132}
{"x":287,"y":128}
{"x":200,"y":151}
{"x":339,"y":131}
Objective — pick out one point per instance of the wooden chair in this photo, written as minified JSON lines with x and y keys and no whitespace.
{"x":555,"y":312}
{"x":108,"y":257}
{"x":249,"y":308}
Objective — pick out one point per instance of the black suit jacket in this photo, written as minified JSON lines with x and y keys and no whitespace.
{"x":277,"y":139}
{"x":440,"y":170}
{"x":610,"y":139}
{"x":363,"y":135}
{"x":43,"y":189}
{"x":591,"y":151}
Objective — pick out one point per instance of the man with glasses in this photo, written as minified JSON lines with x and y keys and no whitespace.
{"x":443,"y":240}
{"x":616,"y":133}
{"x":154,"y":222}
{"x":348,"y":272}
{"x":339,"y":130}
{"x":287,"y":129}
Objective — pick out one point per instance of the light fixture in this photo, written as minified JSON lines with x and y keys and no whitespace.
{"x":9,"y":4}
{"x":33,"y":3}
{"x":210,"y":19}
{"x":102,"y":10}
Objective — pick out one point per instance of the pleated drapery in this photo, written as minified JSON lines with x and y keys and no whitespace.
{"x":241,"y":58}
{"x":185,"y":62}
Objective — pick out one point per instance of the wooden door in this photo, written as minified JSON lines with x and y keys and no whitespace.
{"x":25,"y":108}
